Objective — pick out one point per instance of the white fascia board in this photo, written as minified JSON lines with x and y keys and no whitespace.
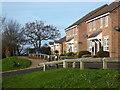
{"x":97,"y":17}
{"x":56,"y":44}
{"x":71,"y":27}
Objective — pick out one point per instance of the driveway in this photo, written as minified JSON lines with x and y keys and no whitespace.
{"x":35,"y":62}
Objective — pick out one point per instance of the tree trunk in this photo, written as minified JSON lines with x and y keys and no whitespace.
{"x":18,"y":52}
{"x":39,"y":44}
{"x":7,"y":52}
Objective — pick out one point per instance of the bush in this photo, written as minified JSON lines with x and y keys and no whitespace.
{"x":85,"y":56}
{"x":81,"y":53}
{"x":70,"y":54}
{"x":102,"y":54}
{"x":62,"y":55}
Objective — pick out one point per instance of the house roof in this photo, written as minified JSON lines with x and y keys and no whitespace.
{"x":69,"y":39}
{"x":94,"y":34}
{"x":86,"y":16}
{"x":60,"y":40}
{"x":109,"y":8}
{"x":51,"y":43}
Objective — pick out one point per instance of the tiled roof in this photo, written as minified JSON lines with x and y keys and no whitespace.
{"x":86,"y":16}
{"x":94,"y":34}
{"x":109,"y":8}
{"x":60,"y":40}
{"x":51,"y":43}
{"x":69,"y":39}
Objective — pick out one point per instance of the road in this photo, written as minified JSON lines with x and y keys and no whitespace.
{"x":89,"y":65}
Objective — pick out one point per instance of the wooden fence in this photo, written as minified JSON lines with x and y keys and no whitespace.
{"x":41,"y":56}
{"x":81,"y":60}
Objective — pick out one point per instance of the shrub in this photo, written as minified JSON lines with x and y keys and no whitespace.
{"x":62,"y":54}
{"x":85,"y":56}
{"x":70,"y":54}
{"x":81,"y":53}
{"x":102,"y":54}
{"x":56,"y":51}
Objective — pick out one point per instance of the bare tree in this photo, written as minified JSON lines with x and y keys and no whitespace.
{"x":12,"y":38}
{"x":38,"y":31}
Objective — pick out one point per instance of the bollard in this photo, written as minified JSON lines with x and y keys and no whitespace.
{"x":81,"y":65}
{"x":65,"y":64}
{"x":74,"y":64}
{"x":104,"y":64}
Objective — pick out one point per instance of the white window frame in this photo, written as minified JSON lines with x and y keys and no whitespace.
{"x":101,"y":22}
{"x":90,"y":26}
{"x":90,"y":46}
{"x":94,"y":25}
{"x":106,"y":44}
{"x":106,"y":21}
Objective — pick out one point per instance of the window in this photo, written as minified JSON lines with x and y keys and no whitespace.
{"x":90,"y":46}
{"x":106,"y":20}
{"x":94,"y":25}
{"x":106,"y":44}
{"x":101,"y":22}
{"x":90,"y":26}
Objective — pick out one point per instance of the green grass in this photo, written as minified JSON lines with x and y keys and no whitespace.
{"x":7,"y":63}
{"x":64,"y":78}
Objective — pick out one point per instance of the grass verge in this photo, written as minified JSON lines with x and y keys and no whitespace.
{"x":65,"y":78}
{"x":7,"y":63}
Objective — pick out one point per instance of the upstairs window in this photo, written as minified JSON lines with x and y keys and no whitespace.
{"x":90,"y":26}
{"x":94,"y":25}
{"x":101,"y":22}
{"x":106,"y":20}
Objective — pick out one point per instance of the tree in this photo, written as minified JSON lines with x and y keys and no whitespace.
{"x":12,"y":38}
{"x":37,"y":31}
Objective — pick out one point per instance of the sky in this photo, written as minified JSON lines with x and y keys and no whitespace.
{"x":59,"y":14}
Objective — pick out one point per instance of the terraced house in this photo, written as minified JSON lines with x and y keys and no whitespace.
{"x":76,"y":33}
{"x":101,"y":30}
{"x":98,"y":30}
{"x":58,"y":45}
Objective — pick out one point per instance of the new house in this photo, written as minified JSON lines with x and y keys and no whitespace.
{"x":76,"y":33}
{"x":58,"y":45}
{"x":101,"y":31}
{"x":98,"y":30}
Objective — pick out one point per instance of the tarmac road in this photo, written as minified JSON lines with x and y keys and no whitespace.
{"x":88,"y":65}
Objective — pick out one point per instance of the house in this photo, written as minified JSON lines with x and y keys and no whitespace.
{"x":101,"y":30}
{"x":76,"y":33}
{"x":58,"y":45}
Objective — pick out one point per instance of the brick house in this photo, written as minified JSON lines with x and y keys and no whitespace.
{"x":58,"y":45}
{"x":101,"y":32}
{"x":76,"y":33}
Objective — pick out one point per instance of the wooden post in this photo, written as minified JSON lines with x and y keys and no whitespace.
{"x":65,"y":64}
{"x":104,"y":64}
{"x":74,"y":64}
{"x":37,"y":55}
{"x":40,"y":55}
{"x":81,"y":65}
{"x":44,"y":67}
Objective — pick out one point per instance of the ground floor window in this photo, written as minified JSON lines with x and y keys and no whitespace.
{"x":106,"y":44}
{"x":90,"y":46}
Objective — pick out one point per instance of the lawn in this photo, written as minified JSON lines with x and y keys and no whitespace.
{"x":7,"y":63}
{"x":65,"y":78}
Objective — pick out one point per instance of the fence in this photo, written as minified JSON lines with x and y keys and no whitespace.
{"x":41,"y":56}
{"x":81,"y":60}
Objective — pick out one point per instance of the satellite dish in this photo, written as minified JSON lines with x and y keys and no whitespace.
{"x":117,"y":28}
{"x":85,"y":36}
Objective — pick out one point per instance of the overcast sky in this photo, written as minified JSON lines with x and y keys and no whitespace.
{"x":59,"y":14}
